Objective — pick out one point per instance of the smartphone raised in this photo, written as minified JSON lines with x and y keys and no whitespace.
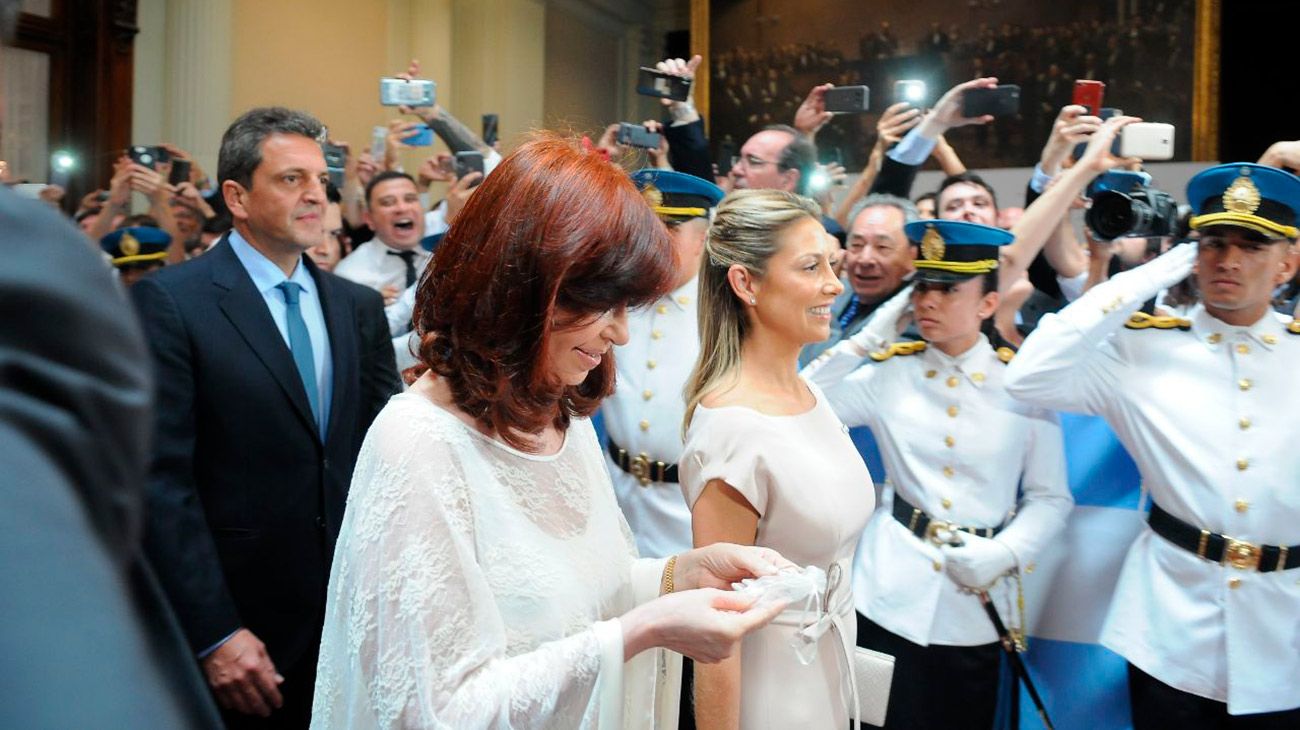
{"x":847,"y":99}
{"x":399,"y":92}
{"x":911,"y":91}
{"x":651,"y":82}
{"x":1147,"y":140}
{"x":180,"y":172}
{"x":467,"y":162}
{"x":726,"y":153}
{"x":1000,"y":101}
{"x":421,"y":136}
{"x":636,"y":135}
{"x":148,"y":155}
{"x":1088,"y":94}
{"x":490,"y":129}
{"x":336,"y":158}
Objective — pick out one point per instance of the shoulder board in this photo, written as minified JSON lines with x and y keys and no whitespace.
{"x":1294,"y":327}
{"x":1005,"y":354}
{"x":898,"y":348}
{"x":1143,"y":321}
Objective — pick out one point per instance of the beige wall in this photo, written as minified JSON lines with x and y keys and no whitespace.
{"x":202,"y":62}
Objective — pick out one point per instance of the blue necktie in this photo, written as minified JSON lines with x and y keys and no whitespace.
{"x":850,"y":311}
{"x":300,"y":345}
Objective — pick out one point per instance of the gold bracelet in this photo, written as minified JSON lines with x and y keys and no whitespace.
{"x":666,"y":585}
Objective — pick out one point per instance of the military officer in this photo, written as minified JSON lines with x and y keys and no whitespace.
{"x":136,"y":251}
{"x":643,"y":418}
{"x":1207,"y":608}
{"x":958,"y":450}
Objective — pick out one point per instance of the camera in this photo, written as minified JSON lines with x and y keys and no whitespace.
{"x":1129,"y":207}
{"x":148,"y":156}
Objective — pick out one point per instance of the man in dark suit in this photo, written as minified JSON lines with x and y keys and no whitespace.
{"x":268,"y":373}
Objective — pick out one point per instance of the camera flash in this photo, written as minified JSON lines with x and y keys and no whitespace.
{"x":63,"y":161}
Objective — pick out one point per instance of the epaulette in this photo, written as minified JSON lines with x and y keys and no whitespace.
{"x":1294,"y":327}
{"x":1005,"y":354}
{"x":899,"y":348}
{"x":1143,"y":321}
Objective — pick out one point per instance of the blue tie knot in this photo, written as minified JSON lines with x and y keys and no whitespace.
{"x":290,"y":289}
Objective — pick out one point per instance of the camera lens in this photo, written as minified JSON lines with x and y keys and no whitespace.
{"x":1112,"y":215}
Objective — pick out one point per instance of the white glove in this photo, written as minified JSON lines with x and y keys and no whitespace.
{"x":978,"y":561}
{"x":1168,"y":268}
{"x":883,"y":327}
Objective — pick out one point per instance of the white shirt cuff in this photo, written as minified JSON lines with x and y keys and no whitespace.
{"x":913,"y":149}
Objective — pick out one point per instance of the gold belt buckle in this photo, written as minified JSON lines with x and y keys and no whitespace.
{"x":640,"y":468}
{"x":940,"y":532}
{"x":1241,"y":555}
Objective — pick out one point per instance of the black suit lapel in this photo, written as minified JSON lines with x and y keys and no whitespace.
{"x":244,"y":306}
{"x":340,"y":324}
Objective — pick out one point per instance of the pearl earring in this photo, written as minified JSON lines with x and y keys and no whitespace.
{"x":753,"y":302}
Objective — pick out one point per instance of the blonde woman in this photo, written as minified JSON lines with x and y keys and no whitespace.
{"x":766,"y":461}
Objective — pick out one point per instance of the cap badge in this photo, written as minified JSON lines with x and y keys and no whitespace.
{"x":129,"y":245}
{"x":932,"y":247}
{"x":1241,"y":196}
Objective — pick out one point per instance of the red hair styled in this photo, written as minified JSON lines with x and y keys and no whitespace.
{"x":552,"y":227}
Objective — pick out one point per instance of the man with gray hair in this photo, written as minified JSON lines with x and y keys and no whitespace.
{"x":268,"y":374}
{"x":877,"y":264}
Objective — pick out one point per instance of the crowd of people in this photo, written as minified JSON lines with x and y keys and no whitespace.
{"x":1145,"y":63}
{"x":313,"y":455}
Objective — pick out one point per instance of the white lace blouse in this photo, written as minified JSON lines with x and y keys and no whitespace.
{"x":473,"y":584}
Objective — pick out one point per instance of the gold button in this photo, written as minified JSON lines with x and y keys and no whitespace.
{"x":947,"y":503}
{"x":947,"y":471}
{"x":931,"y":373}
{"x":650,"y":364}
{"x":952,"y":381}
{"x":683,"y":299}
{"x":645,"y":425}
{"x":662,"y":309}
{"x":1234,"y":583}
{"x":949,"y":441}
{"x":953,"y":411}
{"x":1030,"y":568}
{"x":1244,"y":383}
{"x":938,"y":566}
{"x":1214,"y":338}
{"x":656,"y":335}
{"x":1243,"y":349}
{"x":1242,"y":464}
{"x":1269,"y":339}
{"x":648,"y":394}
{"x":977,"y":377}
{"x":1241,"y":505}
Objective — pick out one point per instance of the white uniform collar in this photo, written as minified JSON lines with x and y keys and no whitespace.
{"x":1214,"y":332}
{"x":682,"y":296}
{"x":973,"y":364}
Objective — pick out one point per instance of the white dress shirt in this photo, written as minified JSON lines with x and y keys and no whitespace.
{"x":957,"y":447}
{"x":1211,"y":415}
{"x":371,"y":265}
{"x":645,"y":415}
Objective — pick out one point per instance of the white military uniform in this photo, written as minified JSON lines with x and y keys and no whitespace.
{"x":1210,"y":412}
{"x":645,"y":415}
{"x":957,"y":447}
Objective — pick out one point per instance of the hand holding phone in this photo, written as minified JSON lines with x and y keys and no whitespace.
{"x":468,"y":162}
{"x":490,"y":130}
{"x":910,"y":91}
{"x":999,"y":101}
{"x":395,"y":91}
{"x":1088,"y":94}
{"x":1147,"y":140}
{"x":636,"y":135}
{"x":652,"y":82}
{"x":847,"y":99}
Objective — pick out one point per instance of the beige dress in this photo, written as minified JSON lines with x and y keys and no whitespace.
{"x":814,"y":495}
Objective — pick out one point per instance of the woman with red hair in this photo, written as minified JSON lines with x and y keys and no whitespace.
{"x":484,"y":576}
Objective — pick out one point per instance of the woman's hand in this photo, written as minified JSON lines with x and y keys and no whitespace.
{"x":723,"y":563}
{"x":705,"y":625}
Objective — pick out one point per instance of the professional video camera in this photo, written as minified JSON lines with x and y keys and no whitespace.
{"x":1124,"y":204}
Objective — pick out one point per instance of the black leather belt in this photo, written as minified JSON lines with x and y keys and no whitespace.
{"x":927,"y":528}
{"x":641,"y":466}
{"x":1221,"y":548}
